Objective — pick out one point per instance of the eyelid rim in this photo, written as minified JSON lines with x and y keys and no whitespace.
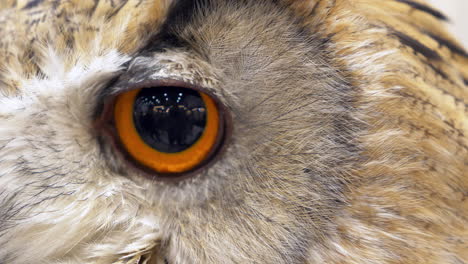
{"x":104,"y":125}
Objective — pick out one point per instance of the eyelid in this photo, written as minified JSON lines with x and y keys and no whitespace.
{"x":126,"y":86}
{"x":171,"y":67}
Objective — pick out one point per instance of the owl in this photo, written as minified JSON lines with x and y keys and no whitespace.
{"x":231,"y":131}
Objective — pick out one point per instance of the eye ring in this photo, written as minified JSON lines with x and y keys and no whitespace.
{"x":216,"y":143}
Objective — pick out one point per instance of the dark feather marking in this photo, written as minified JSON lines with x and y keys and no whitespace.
{"x":424,"y":8}
{"x":117,"y":10}
{"x":179,"y":15}
{"x":93,"y":9}
{"x":417,"y":46}
{"x":428,"y":133}
{"x":428,"y":103}
{"x":32,"y":4}
{"x":428,"y":53}
{"x":314,"y":9}
{"x":447,"y":43}
{"x":439,"y":72}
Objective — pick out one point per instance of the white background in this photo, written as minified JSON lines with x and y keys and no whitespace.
{"x":457,"y":11}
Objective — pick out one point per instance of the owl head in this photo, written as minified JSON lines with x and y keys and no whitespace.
{"x":222,"y":131}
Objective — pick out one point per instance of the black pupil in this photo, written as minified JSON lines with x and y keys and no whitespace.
{"x":169,"y":119}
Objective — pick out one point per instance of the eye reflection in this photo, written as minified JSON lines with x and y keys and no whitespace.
{"x":169,"y":119}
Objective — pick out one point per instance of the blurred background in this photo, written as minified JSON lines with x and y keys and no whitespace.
{"x":457,"y":11}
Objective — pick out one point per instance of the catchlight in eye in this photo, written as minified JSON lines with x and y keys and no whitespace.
{"x":168,"y":129}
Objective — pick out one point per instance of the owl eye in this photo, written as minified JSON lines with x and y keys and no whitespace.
{"x":169,"y":130}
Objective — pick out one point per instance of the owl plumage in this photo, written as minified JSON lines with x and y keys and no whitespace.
{"x":347,"y":139}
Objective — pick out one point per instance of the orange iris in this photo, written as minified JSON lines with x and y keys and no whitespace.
{"x":158,"y":161}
